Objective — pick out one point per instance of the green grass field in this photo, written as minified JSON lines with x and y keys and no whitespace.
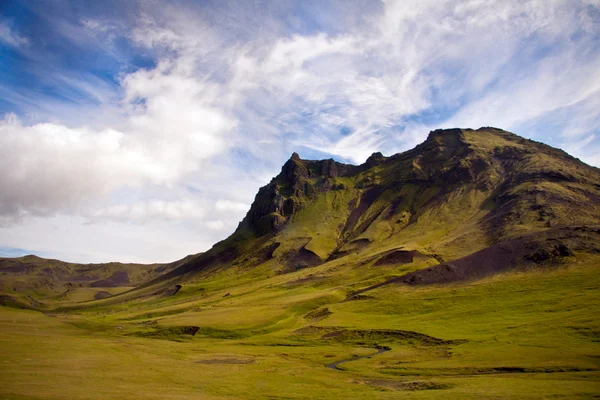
{"x":528,"y":335}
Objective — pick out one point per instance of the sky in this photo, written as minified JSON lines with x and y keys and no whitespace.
{"x":140,"y":131}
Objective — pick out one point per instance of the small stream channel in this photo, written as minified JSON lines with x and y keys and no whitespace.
{"x":334,"y":365}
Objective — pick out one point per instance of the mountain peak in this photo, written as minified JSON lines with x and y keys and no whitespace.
{"x":374,"y":159}
{"x":475,"y":161}
{"x":298,"y":183}
{"x":460,"y":134}
{"x":445,"y":131}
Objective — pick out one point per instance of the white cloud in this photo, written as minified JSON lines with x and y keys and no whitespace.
{"x":216,"y":225}
{"x":557,"y":81}
{"x":228,"y":205}
{"x":73,"y":239}
{"x":151,"y":210}
{"x":9,"y":37}
{"x":96,"y":26}
{"x":51,"y":167}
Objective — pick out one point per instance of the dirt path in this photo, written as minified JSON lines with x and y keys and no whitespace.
{"x":334,"y":365}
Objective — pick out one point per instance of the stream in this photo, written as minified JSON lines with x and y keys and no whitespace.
{"x":334,"y":365}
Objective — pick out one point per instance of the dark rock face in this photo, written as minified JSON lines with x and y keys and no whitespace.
{"x":374,"y":159}
{"x":102,"y":295}
{"x":298,"y":182}
{"x":329,"y":169}
{"x":539,"y":256}
{"x":366,"y":200}
{"x":561,"y":250}
{"x":542,"y":254}
{"x":304,"y":258}
{"x":397,"y":257}
{"x":293,"y":170}
{"x":117,"y":279}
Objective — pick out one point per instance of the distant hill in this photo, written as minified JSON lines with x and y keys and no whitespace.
{"x":25,"y":280}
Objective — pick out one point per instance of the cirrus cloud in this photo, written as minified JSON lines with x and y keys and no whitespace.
{"x":234,"y":88}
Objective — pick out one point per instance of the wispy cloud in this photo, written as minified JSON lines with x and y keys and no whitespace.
{"x":9,"y":37}
{"x":233,"y":88}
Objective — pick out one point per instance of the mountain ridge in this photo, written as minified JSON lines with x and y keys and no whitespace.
{"x":296,"y":170}
{"x":457,"y":193}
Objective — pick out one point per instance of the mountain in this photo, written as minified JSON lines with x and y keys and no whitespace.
{"x":505,"y":201}
{"x":463,"y":204}
{"x":465,"y":268}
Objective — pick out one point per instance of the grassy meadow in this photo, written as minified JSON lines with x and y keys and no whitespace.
{"x":527,"y":335}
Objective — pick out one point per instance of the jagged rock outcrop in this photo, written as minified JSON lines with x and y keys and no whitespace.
{"x":298,"y":182}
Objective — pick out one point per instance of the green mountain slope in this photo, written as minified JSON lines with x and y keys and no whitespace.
{"x":459,"y":192}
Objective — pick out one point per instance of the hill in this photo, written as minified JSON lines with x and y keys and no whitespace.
{"x":27,"y":282}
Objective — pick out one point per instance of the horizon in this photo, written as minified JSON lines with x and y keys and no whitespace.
{"x":140,"y":132}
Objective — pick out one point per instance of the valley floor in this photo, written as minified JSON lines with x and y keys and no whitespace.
{"x":533,"y":335}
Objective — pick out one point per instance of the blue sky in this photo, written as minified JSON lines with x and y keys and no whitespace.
{"x":141,"y":130}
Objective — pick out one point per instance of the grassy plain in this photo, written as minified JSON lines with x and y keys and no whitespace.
{"x":527,"y":335}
